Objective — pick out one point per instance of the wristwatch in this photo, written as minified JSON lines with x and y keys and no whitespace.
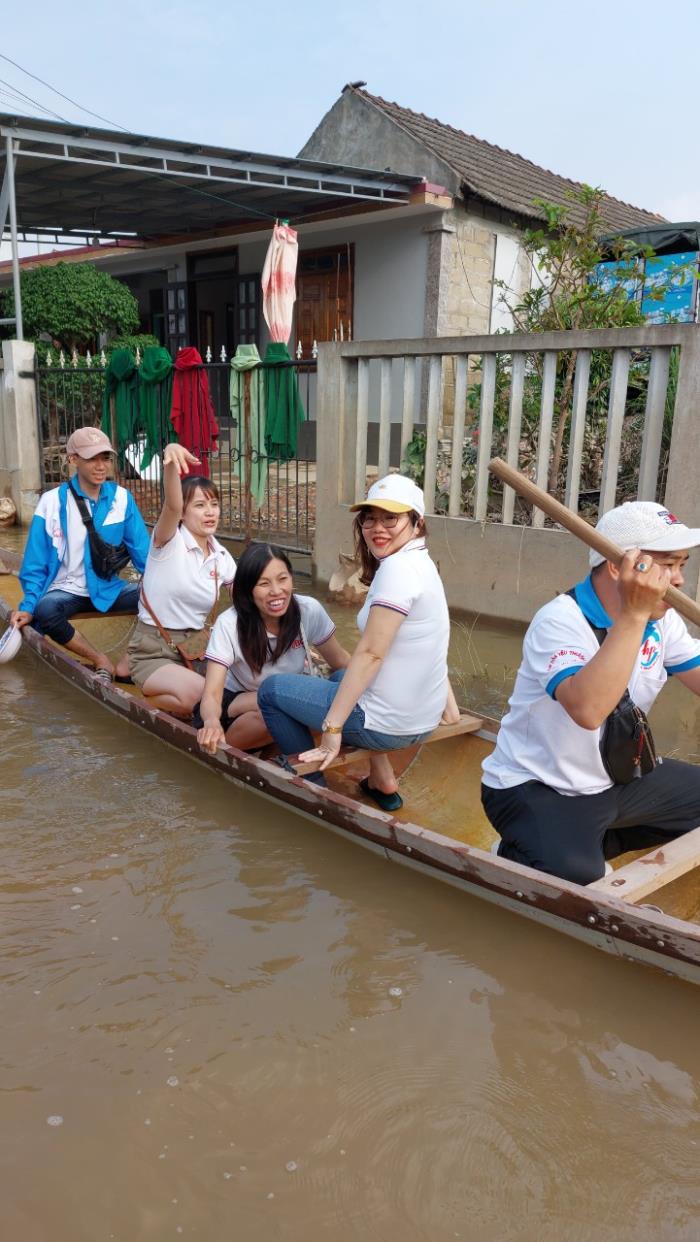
{"x":327,"y":727}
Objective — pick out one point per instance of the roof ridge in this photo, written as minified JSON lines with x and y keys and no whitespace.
{"x":462,"y":133}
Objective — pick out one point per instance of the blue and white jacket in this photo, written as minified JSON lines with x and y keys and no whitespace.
{"x":116,"y":518}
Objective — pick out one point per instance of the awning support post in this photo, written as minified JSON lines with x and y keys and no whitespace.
{"x":9,"y":181}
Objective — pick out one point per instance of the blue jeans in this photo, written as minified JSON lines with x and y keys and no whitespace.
{"x":293,"y":703}
{"x":53,"y":610}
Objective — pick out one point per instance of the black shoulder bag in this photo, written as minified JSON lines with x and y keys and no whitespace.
{"x":107,"y":558}
{"x":626,"y":742}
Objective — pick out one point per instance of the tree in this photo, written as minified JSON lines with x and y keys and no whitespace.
{"x":569,"y":294}
{"x":74,"y":304}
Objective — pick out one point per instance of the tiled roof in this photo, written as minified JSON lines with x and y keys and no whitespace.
{"x":500,"y":176}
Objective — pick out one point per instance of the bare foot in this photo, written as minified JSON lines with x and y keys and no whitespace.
{"x":381,"y":774}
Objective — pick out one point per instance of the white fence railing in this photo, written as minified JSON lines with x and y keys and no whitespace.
{"x":472,"y":396}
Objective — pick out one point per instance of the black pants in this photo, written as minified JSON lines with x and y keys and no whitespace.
{"x":572,"y":836}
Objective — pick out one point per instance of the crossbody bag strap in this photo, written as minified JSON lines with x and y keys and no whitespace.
{"x":601,"y":634}
{"x":82,"y":507}
{"x":161,"y":628}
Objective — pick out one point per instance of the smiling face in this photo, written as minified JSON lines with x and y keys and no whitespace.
{"x":92,"y":471}
{"x":384,"y":533}
{"x":201,"y":514}
{"x":273,"y":591}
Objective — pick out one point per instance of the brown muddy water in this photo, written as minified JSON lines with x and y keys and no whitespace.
{"x":219,"y":1021}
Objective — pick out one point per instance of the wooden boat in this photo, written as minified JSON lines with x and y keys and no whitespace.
{"x":440,"y":784}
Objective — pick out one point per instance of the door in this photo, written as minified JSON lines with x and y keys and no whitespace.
{"x":324,"y":296}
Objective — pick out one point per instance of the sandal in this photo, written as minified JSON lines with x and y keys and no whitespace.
{"x":387,"y":801}
{"x":104,"y":675}
{"x":125,"y":680}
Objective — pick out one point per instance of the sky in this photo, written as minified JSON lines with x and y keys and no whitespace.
{"x":602,"y":92}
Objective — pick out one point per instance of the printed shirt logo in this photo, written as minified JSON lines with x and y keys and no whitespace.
{"x":649,"y":652}
{"x":297,"y":643}
{"x":669,"y":518}
{"x":566,"y":654}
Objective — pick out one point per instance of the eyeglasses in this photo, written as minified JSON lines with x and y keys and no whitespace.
{"x":387,"y":520}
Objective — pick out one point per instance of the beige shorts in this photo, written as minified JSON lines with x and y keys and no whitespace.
{"x":148,"y":650}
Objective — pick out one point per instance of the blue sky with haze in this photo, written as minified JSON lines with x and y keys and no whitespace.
{"x":600,"y":93}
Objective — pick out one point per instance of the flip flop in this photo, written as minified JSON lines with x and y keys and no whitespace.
{"x":387,"y":802}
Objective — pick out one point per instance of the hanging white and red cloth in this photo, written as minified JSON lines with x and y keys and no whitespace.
{"x":279,"y":282}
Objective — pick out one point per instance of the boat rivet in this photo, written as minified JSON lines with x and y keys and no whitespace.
{"x":519,"y":894}
{"x":614,"y":927}
{"x":591,"y":918}
{"x":660,"y":944}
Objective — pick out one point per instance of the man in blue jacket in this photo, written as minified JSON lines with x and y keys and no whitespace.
{"x":57,"y":573}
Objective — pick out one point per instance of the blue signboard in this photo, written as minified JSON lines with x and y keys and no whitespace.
{"x":670,"y":288}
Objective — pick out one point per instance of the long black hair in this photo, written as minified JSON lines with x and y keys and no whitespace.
{"x":252,"y":634}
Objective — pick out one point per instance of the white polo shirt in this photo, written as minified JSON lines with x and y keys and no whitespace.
{"x":537,"y":739}
{"x":224,"y":647}
{"x":409,"y":692}
{"x":180,"y":581}
{"x":71,"y":571}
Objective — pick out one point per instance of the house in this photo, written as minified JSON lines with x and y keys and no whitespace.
{"x":411,"y":250}
{"x":476,"y":242}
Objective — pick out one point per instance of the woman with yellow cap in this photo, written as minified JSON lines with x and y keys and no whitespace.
{"x":395,"y":690}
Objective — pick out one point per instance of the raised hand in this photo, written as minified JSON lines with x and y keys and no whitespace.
{"x":178,"y":455}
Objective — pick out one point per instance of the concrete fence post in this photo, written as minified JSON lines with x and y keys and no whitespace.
{"x":20,"y":450}
{"x":336,"y":433}
{"x":683,"y":479}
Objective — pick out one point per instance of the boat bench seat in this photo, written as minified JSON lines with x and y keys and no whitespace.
{"x":653,"y":870}
{"x":467,"y":723}
{"x":100,"y":616}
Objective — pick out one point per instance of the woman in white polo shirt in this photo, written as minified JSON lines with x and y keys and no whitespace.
{"x":185,"y":570}
{"x":395,"y":690}
{"x":267,"y":630}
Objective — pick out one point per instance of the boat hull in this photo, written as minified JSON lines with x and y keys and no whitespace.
{"x":601,"y":921}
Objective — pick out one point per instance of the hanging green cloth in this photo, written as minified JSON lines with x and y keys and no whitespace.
{"x":121,"y":383}
{"x":251,"y":462}
{"x":284,"y":409}
{"x":155,"y":396}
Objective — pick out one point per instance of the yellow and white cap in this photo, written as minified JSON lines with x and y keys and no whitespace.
{"x":396,"y":494}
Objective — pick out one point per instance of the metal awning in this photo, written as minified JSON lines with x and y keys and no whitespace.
{"x":60,"y":180}
{"x":94,"y":183}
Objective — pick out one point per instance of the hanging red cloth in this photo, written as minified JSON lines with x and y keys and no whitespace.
{"x":192,"y":411}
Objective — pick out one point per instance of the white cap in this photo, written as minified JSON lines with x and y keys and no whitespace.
{"x":647,"y":525}
{"x":396,"y":493}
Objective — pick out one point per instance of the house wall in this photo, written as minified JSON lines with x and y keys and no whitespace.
{"x":356,"y":133}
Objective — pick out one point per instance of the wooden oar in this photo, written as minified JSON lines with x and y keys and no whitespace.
{"x":582,"y":529}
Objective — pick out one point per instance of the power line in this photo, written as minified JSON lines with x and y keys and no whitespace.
{"x":218,"y":198}
{"x":67,"y":98}
{"x":34,"y":102}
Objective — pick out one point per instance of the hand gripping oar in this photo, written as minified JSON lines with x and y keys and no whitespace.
{"x":582,"y":529}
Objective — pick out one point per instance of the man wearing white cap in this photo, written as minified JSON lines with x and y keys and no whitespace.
{"x":574,"y":779}
{"x":81,"y":534}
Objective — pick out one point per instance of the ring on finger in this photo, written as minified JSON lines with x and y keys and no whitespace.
{"x":641,"y":567}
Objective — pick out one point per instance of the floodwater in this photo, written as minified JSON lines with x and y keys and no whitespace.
{"x":220,"y":1021}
